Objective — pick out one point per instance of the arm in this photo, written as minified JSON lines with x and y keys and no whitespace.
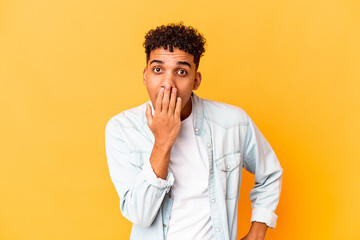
{"x":141,"y":188}
{"x":260,"y":159}
{"x":165,"y":125}
{"x":141,"y":193}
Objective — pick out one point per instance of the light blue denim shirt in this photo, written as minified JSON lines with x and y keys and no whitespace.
{"x":232,"y":141}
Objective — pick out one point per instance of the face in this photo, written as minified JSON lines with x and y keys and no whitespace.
{"x":173,"y":69}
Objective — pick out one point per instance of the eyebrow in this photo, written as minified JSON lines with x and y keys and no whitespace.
{"x":184,"y":63}
{"x":178,"y":63}
{"x":156,"y":61}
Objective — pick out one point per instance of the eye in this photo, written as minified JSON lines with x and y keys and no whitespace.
{"x":182,"y":72}
{"x":156,"y":69}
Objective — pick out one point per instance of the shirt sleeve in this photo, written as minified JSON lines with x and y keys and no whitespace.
{"x":260,"y":159}
{"x":140,"y":191}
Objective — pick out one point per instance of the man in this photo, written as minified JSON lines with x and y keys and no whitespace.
{"x":176,"y":161}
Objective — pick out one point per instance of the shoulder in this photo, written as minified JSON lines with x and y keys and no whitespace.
{"x":224,"y":114}
{"x":131,"y":118}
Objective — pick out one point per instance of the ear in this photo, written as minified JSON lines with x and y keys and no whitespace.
{"x":144,"y":75}
{"x":197,"y":80}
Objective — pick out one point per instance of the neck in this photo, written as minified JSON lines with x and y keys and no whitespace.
{"x":186,"y":111}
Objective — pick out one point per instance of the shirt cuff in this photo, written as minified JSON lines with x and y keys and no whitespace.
{"x":265,"y":216}
{"x":151,"y":177}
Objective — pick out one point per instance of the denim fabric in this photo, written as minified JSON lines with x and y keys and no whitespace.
{"x":233,"y":142}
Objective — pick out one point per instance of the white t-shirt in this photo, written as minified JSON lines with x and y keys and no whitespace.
{"x":190,"y":214}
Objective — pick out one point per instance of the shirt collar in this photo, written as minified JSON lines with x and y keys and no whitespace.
{"x":198,"y":113}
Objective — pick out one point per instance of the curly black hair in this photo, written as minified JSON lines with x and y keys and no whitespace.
{"x":179,"y":36}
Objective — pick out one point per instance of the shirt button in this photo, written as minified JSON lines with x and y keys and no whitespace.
{"x":196,"y":129}
{"x":217,"y":230}
{"x":228,"y":166}
{"x":213,"y":201}
{"x":164,"y":225}
{"x":208,"y":145}
{"x":211,"y":171}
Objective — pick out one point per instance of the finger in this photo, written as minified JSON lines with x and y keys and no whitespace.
{"x":178,"y":108}
{"x":148,"y":114}
{"x":159,"y":100}
{"x":172,"y":101}
{"x":165,"y":100}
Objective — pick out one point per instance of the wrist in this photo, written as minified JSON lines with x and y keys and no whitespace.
{"x":258,"y":230}
{"x":162,"y":147}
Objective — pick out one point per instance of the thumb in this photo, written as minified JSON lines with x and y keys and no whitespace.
{"x":148,"y":114}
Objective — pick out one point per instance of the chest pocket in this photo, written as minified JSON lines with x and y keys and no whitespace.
{"x":229,"y":172}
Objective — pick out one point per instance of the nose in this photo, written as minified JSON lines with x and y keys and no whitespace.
{"x":168,"y":81}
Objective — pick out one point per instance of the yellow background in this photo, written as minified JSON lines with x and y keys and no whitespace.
{"x":67,"y":66}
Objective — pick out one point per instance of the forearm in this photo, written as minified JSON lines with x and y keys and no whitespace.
{"x":159,"y":159}
{"x":258,"y":229}
{"x":256,"y":232}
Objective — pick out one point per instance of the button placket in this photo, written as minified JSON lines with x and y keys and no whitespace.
{"x":215,"y":211}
